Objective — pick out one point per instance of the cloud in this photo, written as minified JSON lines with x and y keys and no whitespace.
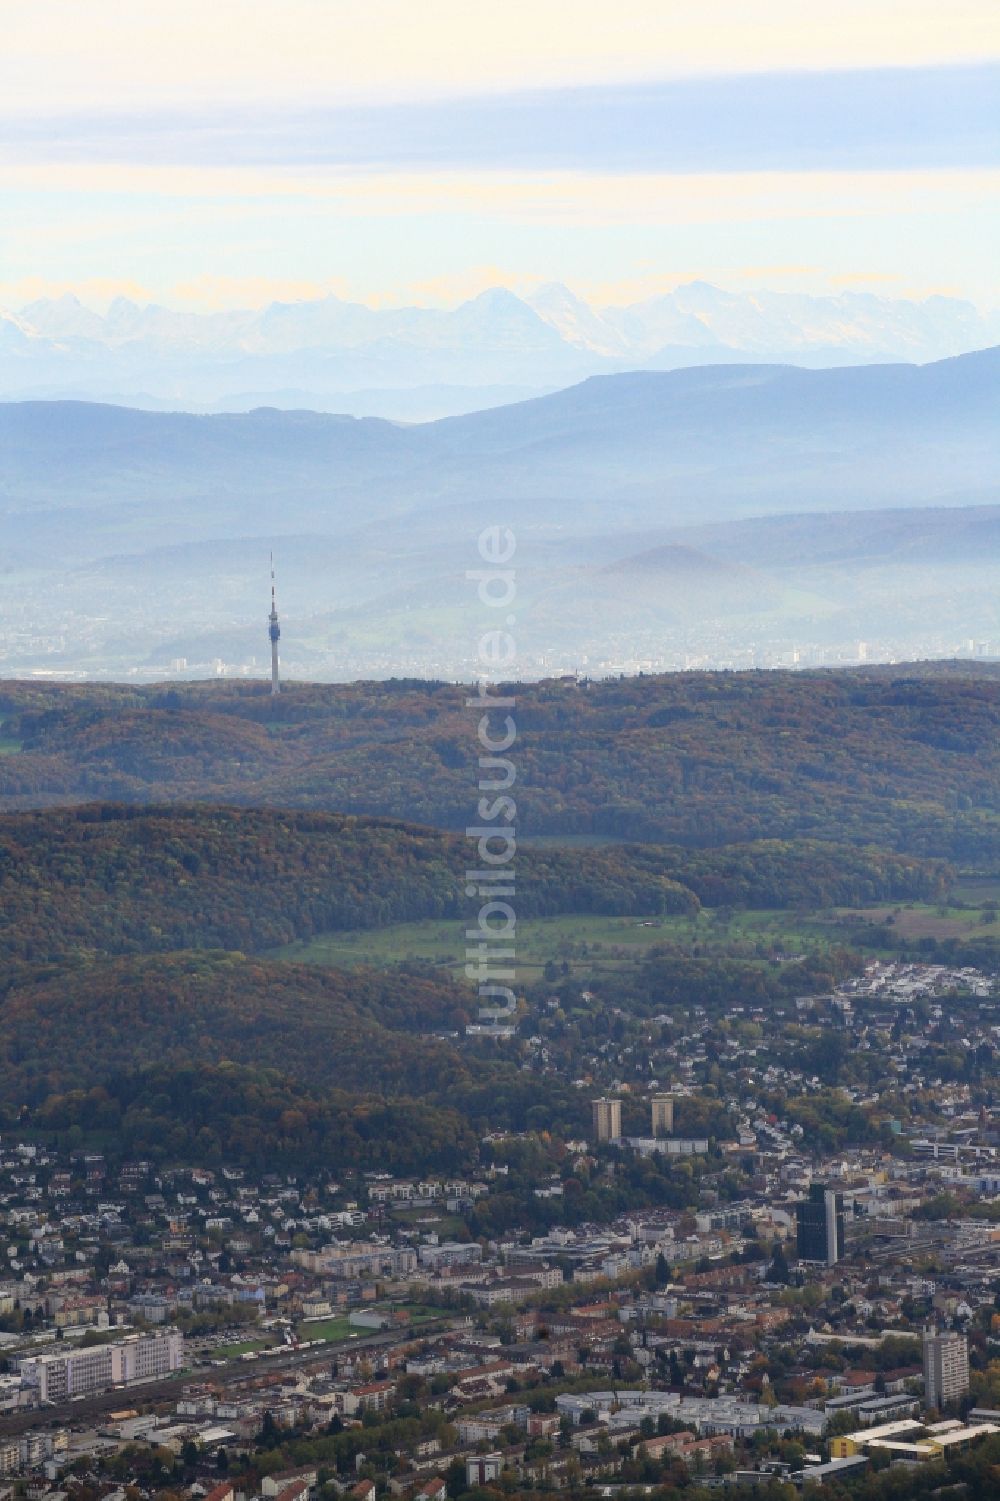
{"x":864,"y":278}
{"x":113,"y":54}
{"x":208,"y":293}
{"x":220,"y":195}
{"x":95,"y":291}
{"x":780,"y":270}
{"x":890,"y":118}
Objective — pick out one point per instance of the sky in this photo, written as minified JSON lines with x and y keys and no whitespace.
{"x":232,"y":153}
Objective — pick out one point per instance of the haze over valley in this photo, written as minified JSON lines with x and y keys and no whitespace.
{"x":421,"y":362}
{"x":735,"y":515}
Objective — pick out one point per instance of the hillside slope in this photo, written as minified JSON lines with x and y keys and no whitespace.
{"x":117,"y":880}
{"x":111,"y":880}
{"x":696,"y":444}
{"x":359,"y":1032}
{"x":908,"y":759}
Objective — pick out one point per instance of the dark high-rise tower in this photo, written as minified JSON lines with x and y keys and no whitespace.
{"x":274,"y":631}
{"x":820,"y":1226}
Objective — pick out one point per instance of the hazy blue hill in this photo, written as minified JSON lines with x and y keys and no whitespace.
{"x":82,"y":445}
{"x":659,"y":447}
{"x":136,"y":538}
{"x":871,"y":394}
{"x":671,"y":560}
{"x":671,"y":583}
{"x":929,"y":534}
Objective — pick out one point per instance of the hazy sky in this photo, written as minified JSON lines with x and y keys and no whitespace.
{"x":227,"y":152}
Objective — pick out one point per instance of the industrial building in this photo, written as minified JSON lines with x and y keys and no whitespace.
{"x":82,"y":1372}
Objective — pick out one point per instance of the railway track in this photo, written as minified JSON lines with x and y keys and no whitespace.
{"x":232,"y":1373}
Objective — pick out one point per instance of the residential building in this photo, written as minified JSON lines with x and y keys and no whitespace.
{"x":820,"y":1226}
{"x":607,"y":1119}
{"x":482,"y":1469}
{"x":946,"y":1367}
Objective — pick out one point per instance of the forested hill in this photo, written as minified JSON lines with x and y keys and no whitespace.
{"x":194,"y":1055}
{"x":216,"y":1057}
{"x":359,"y":1030}
{"x":907,"y":759}
{"x":116,"y":880}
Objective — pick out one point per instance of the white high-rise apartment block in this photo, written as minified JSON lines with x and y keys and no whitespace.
{"x":946,"y":1367}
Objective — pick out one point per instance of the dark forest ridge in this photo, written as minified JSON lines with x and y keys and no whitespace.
{"x":905,"y":758}
{"x":131,"y":934}
{"x":106,"y":879}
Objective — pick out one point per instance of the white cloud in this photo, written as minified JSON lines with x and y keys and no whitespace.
{"x":551,"y":197}
{"x":61,"y":55}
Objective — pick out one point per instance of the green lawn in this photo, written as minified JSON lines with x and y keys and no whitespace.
{"x":426,"y":1313}
{"x":338,"y":1329}
{"x":582,"y":940}
{"x":244,"y":1347}
{"x":446,"y":1225}
{"x":328,"y":1329}
{"x":589,"y":943}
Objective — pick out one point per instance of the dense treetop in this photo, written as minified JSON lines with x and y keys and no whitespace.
{"x":363,"y":1030}
{"x":156,"y":845}
{"x":126,"y":880}
{"x":902,"y":758}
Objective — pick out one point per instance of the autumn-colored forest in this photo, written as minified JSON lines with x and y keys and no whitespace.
{"x":157,"y":845}
{"x":130,"y":880}
{"x":906,"y":759}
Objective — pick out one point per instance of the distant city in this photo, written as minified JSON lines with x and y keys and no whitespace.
{"x":31,"y":657}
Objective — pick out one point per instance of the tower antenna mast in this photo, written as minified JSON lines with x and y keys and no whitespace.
{"x":274,"y":631}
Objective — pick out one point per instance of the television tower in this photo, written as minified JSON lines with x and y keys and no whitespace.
{"x":274,"y":631}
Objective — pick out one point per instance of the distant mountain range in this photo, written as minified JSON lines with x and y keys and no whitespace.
{"x":723,"y":515}
{"x":643,"y":449}
{"x":418,"y":363}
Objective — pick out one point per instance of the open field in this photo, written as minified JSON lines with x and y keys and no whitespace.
{"x":586,"y":942}
{"x":977,"y":889}
{"x":918,"y":920}
{"x":329,"y":1329}
{"x":336,"y":1330}
{"x":582,"y":941}
{"x":447,"y":1226}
